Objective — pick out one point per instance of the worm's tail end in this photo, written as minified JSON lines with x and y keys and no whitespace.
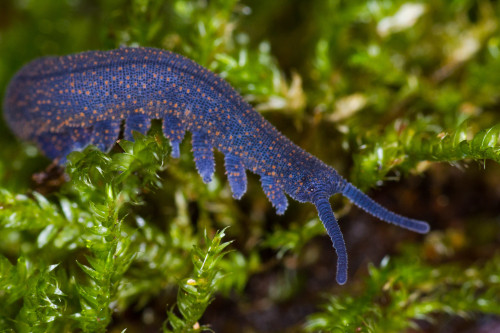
{"x":367,"y":204}
{"x":332,"y":227}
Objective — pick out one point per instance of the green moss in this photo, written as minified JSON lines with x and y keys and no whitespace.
{"x":404,"y":290}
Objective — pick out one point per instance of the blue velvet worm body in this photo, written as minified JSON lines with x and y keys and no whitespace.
{"x":66,"y":103}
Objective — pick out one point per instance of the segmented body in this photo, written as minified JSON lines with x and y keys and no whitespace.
{"x":66,"y":103}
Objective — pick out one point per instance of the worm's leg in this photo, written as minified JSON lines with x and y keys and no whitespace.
{"x":203,"y":153}
{"x":236,"y":175}
{"x":274,"y":193}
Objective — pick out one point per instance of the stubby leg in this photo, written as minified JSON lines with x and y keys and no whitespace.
{"x":136,"y":122}
{"x":274,"y":193}
{"x":236,"y":175}
{"x":174,"y":131}
{"x":203,"y":153}
{"x":57,"y":146}
{"x":105,"y":134}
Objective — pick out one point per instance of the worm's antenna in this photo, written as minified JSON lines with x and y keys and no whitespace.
{"x":367,"y":204}
{"x":332,"y":228}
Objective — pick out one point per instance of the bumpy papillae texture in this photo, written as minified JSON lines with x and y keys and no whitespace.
{"x":66,"y":103}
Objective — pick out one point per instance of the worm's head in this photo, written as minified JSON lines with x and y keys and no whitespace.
{"x":319,"y":181}
{"x":316,"y":184}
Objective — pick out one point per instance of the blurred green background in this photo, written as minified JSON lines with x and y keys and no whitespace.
{"x":402,"y":98}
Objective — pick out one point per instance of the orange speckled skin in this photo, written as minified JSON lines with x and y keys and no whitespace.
{"x":66,"y":103}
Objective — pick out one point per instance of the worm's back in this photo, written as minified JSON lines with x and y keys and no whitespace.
{"x":54,"y":93}
{"x":65,"y":103}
